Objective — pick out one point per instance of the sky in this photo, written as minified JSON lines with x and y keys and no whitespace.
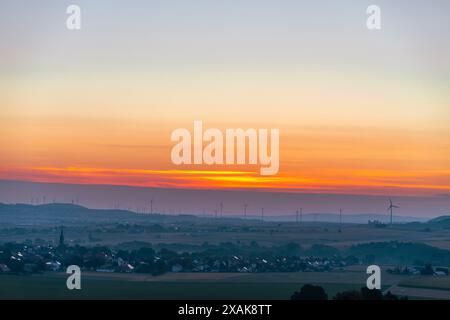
{"x":360,"y":112}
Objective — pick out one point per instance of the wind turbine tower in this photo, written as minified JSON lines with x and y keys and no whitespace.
{"x":245,"y":211}
{"x":391,"y":207}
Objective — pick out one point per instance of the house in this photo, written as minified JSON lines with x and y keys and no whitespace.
{"x":243,"y":269}
{"x":53,"y":265}
{"x":177,"y":268}
{"x":415,"y":271}
{"x":125,"y":267}
{"x":106,"y":268}
{"x":444,"y":270}
{"x":30,"y":267}
{"x":4,"y":268}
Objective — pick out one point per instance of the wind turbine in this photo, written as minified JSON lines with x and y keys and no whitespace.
{"x":221,"y":210}
{"x":340,"y":220}
{"x":245,"y":211}
{"x":391,"y":207}
{"x":262,"y":214}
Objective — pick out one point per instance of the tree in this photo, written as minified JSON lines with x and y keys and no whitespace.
{"x":390,"y":296}
{"x":145,"y":253}
{"x":405,"y":271}
{"x":160,"y":267}
{"x":291,"y":249}
{"x":310,"y":292}
{"x":374,"y":294}
{"x":16,"y":266}
{"x":366,"y":294}
{"x":427,"y":271}
{"x":348,"y":295}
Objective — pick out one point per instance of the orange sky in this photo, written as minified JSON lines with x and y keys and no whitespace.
{"x":359,"y":112}
{"x":347,"y":160}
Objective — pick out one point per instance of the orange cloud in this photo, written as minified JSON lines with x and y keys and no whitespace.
{"x":339,"y":181}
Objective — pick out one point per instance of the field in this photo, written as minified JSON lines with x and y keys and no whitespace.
{"x":182,"y":286}
{"x":210,"y":285}
{"x":267,"y":234}
{"x":171,"y":286}
{"x":188,"y":234}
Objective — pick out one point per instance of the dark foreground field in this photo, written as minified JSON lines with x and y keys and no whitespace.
{"x":182,"y":286}
{"x":52,"y":286}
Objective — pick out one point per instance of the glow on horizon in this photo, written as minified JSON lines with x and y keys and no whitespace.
{"x":350,"y":182}
{"x":358,"y":112}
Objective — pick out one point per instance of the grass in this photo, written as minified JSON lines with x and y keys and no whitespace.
{"x":52,"y":286}
{"x":428,"y":282}
{"x":306,"y":235}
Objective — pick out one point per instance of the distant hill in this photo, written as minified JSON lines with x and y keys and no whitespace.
{"x":63,"y":213}
{"x":395,"y":252}
{"x":348,"y":218}
{"x":205,"y":202}
{"x":442,"y":221}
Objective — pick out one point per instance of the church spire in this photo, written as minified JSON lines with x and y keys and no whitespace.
{"x":61,"y":238}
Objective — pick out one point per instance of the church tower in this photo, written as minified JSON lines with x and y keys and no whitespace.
{"x":61,"y":238}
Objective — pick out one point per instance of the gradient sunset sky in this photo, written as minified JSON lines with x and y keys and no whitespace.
{"x":359,"y":111}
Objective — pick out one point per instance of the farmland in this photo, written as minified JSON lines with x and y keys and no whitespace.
{"x":170,"y":286}
{"x":209,"y":286}
{"x":208,"y":258}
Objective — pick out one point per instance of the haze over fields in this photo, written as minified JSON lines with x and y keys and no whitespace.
{"x":359,"y":112}
{"x":205,"y":202}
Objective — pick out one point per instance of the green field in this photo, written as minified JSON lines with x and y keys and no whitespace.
{"x":52,"y":286}
{"x":429,"y":282}
{"x":267,"y":234}
{"x":227,"y":286}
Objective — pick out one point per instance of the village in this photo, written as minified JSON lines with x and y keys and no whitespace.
{"x":26,"y":258}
